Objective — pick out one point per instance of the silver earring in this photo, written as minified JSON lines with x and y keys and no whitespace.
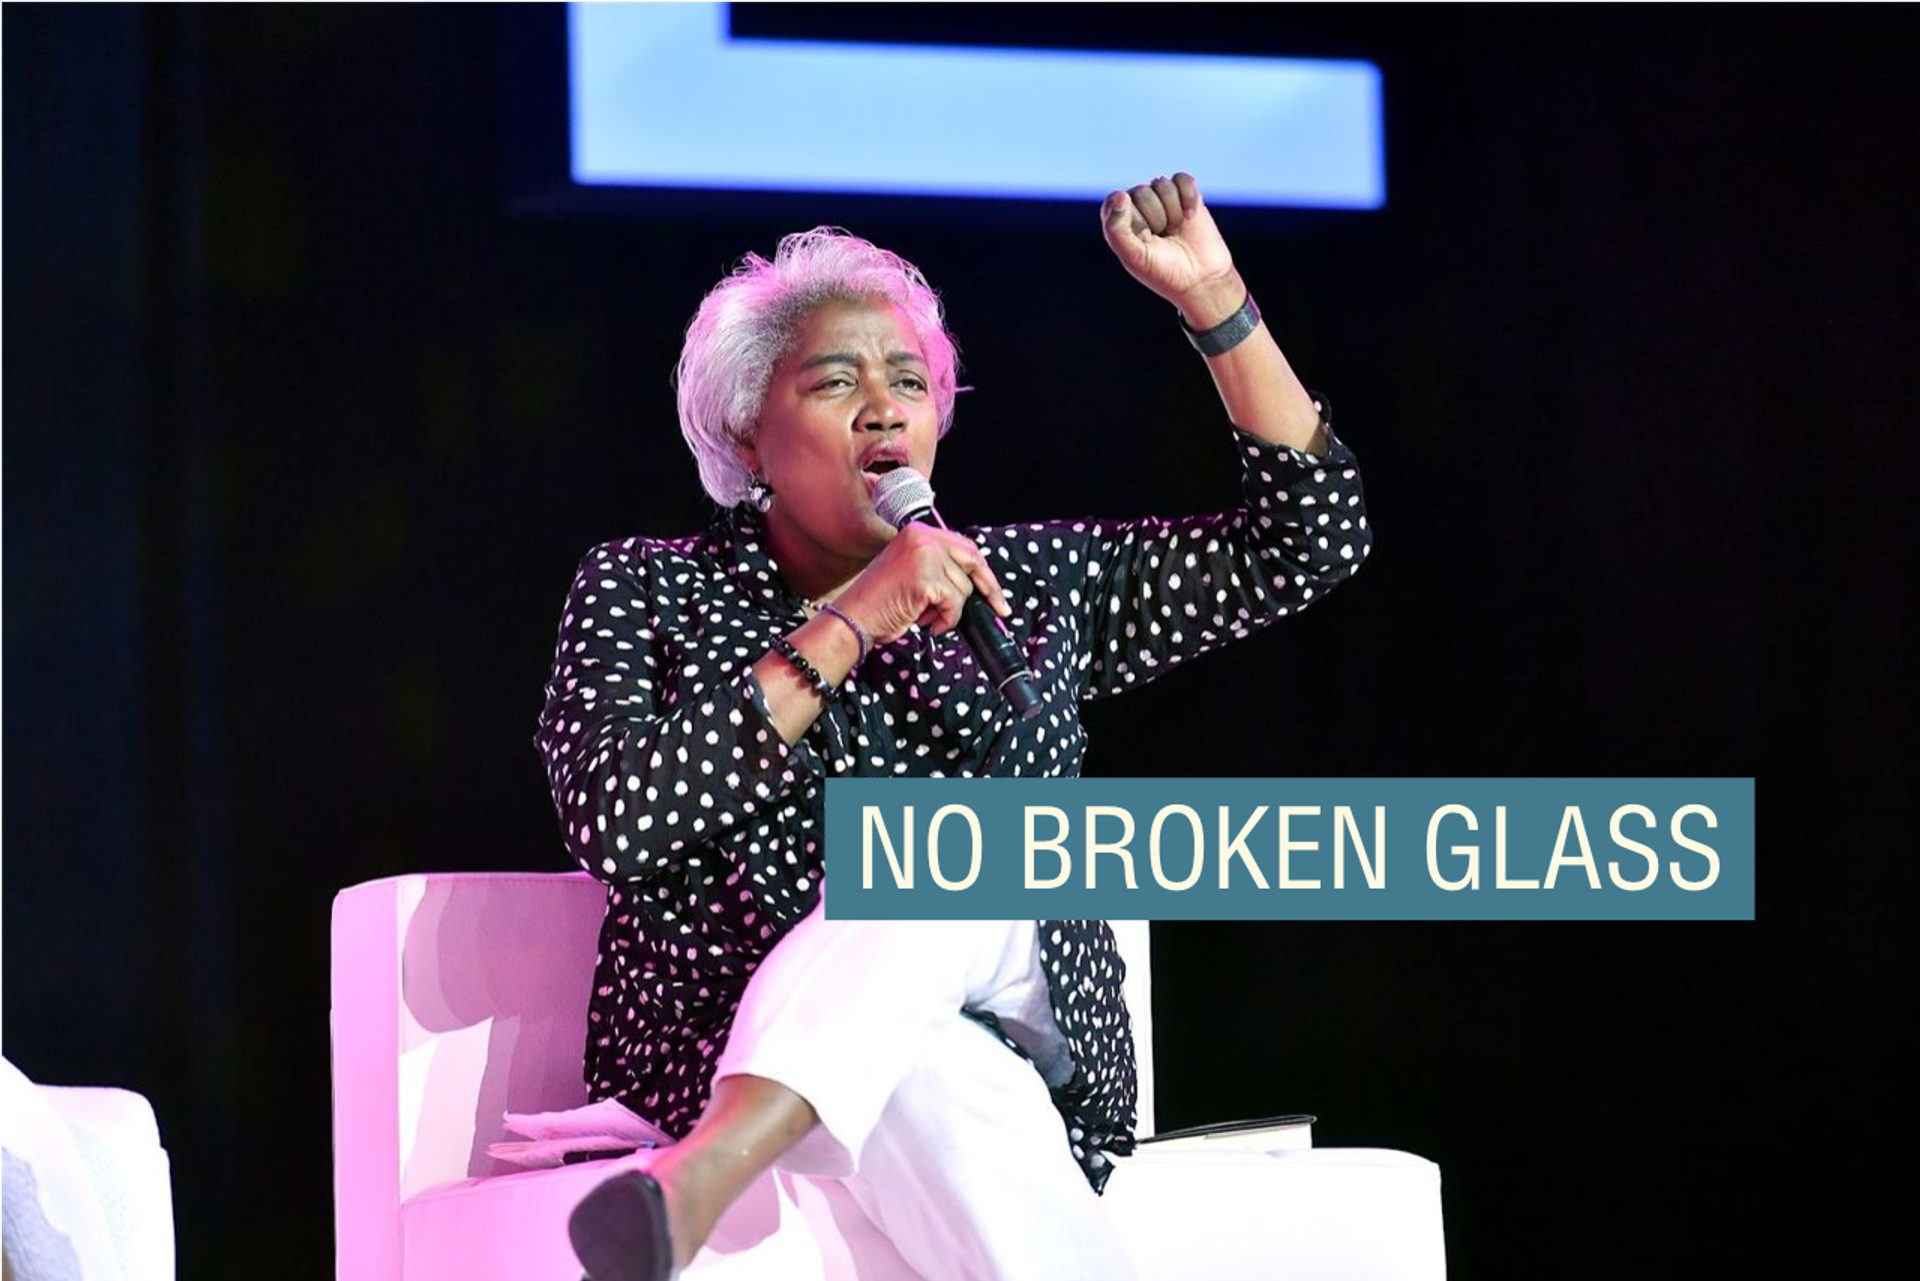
{"x":759,"y":493}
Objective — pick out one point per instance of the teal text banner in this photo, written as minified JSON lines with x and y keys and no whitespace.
{"x":1243,"y":849}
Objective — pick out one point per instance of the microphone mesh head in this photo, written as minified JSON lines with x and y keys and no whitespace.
{"x":901,"y":493}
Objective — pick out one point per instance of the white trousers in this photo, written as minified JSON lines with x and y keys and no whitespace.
{"x":945,"y":1138}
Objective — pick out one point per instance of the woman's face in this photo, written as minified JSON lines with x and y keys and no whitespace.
{"x":851,"y":397}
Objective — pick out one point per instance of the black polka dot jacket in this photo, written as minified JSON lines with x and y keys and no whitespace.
{"x":673,"y":787}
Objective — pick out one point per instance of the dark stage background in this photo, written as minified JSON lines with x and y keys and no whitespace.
{"x":307,"y":425}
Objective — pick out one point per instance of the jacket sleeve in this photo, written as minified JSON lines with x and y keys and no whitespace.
{"x":653,"y":755}
{"x":1157,"y":592}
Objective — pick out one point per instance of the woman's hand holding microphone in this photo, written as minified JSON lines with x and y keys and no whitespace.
{"x":923,"y":577}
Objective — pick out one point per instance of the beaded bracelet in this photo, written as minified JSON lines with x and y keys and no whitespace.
{"x":787,"y":650}
{"x":860,"y":633}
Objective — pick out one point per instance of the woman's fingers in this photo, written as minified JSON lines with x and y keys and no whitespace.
{"x":982,"y":580}
{"x":988,"y":588}
{"x":923,"y":579}
{"x":967,"y":575}
{"x":1189,"y":190}
{"x":1148,"y":203}
{"x":950,"y":595}
{"x":1169,"y":197}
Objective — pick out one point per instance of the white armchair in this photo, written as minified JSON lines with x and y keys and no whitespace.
{"x":459,"y":997}
{"x":88,"y":1188}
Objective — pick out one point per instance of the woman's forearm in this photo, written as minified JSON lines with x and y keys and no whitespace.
{"x":831,"y":647}
{"x":1262,"y":396}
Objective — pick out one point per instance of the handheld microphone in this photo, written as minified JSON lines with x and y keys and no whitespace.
{"x":903,"y":496}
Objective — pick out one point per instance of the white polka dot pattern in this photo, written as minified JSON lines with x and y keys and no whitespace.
{"x":673,"y":787}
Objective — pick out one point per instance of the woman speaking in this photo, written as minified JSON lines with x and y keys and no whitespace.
{"x":968,"y":1081}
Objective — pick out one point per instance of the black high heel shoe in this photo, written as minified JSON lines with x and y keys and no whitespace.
{"x":619,"y":1230}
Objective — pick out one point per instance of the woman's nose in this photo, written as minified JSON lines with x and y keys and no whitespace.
{"x":882,"y":412}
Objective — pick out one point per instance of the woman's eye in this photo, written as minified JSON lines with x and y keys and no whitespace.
{"x":841,"y":381}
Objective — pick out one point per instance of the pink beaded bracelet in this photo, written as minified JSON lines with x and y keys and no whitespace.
{"x":860,"y":633}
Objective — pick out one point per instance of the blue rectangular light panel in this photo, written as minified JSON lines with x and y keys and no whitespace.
{"x":663,"y":96}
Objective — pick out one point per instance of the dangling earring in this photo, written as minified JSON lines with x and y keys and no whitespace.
{"x":760,"y":494}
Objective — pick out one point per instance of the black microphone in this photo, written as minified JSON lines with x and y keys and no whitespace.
{"x":903,"y":496}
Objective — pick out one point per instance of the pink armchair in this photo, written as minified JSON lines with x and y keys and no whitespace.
{"x":459,"y":997}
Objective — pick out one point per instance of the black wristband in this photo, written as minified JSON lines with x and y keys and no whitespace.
{"x":789,"y":651}
{"x":1226,"y":335}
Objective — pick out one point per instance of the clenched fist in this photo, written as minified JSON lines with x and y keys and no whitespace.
{"x":1163,"y":235}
